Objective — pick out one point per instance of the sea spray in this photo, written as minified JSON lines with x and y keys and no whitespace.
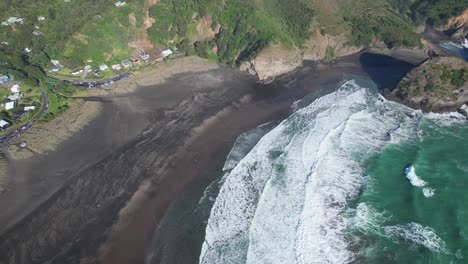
{"x":285,"y":202}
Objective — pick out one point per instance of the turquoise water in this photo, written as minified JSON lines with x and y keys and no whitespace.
{"x":401,"y":224}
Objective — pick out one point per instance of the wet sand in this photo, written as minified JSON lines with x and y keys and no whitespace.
{"x":108,"y":187}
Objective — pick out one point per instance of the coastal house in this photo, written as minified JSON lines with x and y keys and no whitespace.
{"x":4,"y":79}
{"x":29,"y":108}
{"x":9,"y":105}
{"x":15,"y":96}
{"x":116,"y":67}
{"x":103,"y":67}
{"x":13,"y":20}
{"x":120,"y":3}
{"x":4,"y":124}
{"x":40,"y":18}
{"x":126,"y":63}
{"x":55,"y":62}
{"x":15,"y":88}
{"x":88,"y":68}
{"x":143,"y":55}
{"x":37,"y":32}
{"x":166,"y":53}
{"x":77,"y":71}
{"x":27,"y":50}
{"x":55,"y":68}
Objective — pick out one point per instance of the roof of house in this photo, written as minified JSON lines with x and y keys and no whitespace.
{"x":15,"y":96}
{"x":15,"y":88}
{"x":3,"y":123}
{"x":166,"y":53}
{"x":9,"y":105}
{"x":31,"y":107}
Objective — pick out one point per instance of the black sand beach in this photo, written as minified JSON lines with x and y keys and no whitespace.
{"x":101,"y":196}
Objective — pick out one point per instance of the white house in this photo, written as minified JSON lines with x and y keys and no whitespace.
{"x":4,"y":124}
{"x":15,"y":88}
{"x":116,"y":67}
{"x":166,"y":53}
{"x":40,"y":18}
{"x":29,"y":108}
{"x":9,"y":105}
{"x":120,"y":3}
{"x":103,"y":67}
{"x":27,"y":50}
{"x":55,"y":62}
{"x":13,"y":20}
{"x":15,"y":96}
{"x":4,"y":78}
{"x":88,"y":68}
{"x":76,"y":72}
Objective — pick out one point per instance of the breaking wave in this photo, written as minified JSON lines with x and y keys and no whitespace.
{"x":286,"y":201}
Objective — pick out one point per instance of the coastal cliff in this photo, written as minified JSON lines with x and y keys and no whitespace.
{"x":272,"y":62}
{"x":438,"y":85}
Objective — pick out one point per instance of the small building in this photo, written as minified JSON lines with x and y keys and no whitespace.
{"x":5,"y":43}
{"x":116,"y":67}
{"x":37,"y":32}
{"x":4,"y":78}
{"x":55,"y":68}
{"x":15,"y":96}
{"x":166,"y":53}
{"x":77,"y":71}
{"x":15,"y":88}
{"x":13,"y":20}
{"x":29,"y":108}
{"x":4,"y":124}
{"x":120,"y":3}
{"x":9,"y":105}
{"x":55,"y":62}
{"x":27,"y":50}
{"x":88,"y":68}
{"x":126,"y":64}
{"x":143,"y":55}
{"x":97,"y":73}
{"x":40,"y":18}
{"x":103,"y":67}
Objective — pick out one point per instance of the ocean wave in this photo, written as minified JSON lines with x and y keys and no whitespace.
{"x":286,"y":201}
{"x":414,"y":179}
{"x":419,"y":235}
{"x":428,"y":192}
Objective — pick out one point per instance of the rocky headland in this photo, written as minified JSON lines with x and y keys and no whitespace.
{"x":437,"y":85}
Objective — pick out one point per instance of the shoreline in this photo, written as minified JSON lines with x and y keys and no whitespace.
{"x":142,"y":144}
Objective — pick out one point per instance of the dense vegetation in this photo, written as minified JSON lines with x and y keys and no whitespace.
{"x":243,"y":27}
{"x":61,"y":33}
{"x":230,"y":31}
{"x":435,"y":12}
{"x":392,"y":30}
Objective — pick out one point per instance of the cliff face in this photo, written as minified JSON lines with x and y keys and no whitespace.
{"x":272,"y":62}
{"x":438,"y":85}
{"x":276,"y":60}
{"x":457,"y":27}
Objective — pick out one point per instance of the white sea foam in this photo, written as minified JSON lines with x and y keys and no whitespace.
{"x":428,"y":192}
{"x":291,"y":208}
{"x":417,"y":234}
{"x":413,"y":178}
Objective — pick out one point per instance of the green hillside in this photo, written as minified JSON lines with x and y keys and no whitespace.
{"x":78,"y":31}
